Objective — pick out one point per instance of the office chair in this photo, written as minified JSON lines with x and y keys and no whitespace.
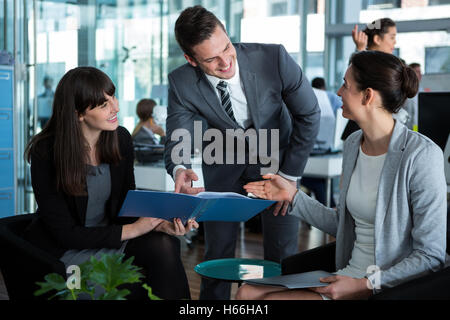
{"x":146,"y":153}
{"x":23,"y":264}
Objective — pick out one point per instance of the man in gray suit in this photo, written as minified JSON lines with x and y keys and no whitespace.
{"x":239,"y":86}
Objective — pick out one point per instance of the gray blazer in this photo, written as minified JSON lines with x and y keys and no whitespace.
{"x":411,"y":210}
{"x":278,"y":94}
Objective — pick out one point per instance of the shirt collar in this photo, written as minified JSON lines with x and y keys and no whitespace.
{"x":234,"y":80}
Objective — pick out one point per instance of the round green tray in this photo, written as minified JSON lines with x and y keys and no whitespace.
{"x":238,"y":269}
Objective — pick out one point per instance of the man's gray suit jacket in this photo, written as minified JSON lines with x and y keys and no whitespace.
{"x":279,"y":96}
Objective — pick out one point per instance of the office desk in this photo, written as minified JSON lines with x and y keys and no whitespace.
{"x":324,"y":167}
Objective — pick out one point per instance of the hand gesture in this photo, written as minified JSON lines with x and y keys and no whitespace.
{"x":183,"y":182}
{"x":344,"y":288}
{"x":273,"y":188}
{"x":176,"y":227}
{"x":360,"y":39}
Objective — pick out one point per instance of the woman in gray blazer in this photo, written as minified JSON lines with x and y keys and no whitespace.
{"x":390,"y":226}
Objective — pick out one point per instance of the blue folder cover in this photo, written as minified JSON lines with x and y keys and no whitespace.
{"x":205,"y":206}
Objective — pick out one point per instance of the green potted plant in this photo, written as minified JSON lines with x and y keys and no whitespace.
{"x":96,"y":279}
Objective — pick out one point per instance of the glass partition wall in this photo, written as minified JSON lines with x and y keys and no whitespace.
{"x":128,"y":42}
{"x":131,"y":41}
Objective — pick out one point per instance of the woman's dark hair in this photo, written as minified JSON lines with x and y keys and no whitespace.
{"x":379,"y":28}
{"x":318,"y":83}
{"x":79,"y":89}
{"x":193,"y":26}
{"x":144,"y":110}
{"x":386,"y":74}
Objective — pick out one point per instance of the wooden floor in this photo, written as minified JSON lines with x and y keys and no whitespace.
{"x":249,"y":246}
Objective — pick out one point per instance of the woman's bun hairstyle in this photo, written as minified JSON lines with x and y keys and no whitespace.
{"x":386,"y":74}
{"x":410,"y":84}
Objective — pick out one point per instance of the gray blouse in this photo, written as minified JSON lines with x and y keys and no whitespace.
{"x":98,"y":182}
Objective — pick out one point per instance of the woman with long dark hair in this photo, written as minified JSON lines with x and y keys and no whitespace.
{"x":81,"y":170}
{"x":391,"y":215}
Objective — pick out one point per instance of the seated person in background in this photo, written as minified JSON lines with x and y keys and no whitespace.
{"x":325,"y":138}
{"x":412,"y":105}
{"x":323,"y":144}
{"x":418,"y":70}
{"x":81,"y":171}
{"x":392,"y":212}
{"x":44,"y":102}
{"x":335,"y":100}
{"x":145,"y":131}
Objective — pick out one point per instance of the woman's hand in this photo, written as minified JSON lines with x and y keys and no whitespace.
{"x":139,"y":228}
{"x":344,"y":288}
{"x":360,"y":39}
{"x":176,"y":227}
{"x":274,"y":187}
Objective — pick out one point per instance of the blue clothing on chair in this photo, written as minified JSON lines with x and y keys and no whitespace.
{"x":335,"y":100}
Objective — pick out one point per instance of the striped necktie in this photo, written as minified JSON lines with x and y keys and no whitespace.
{"x":226,"y":100}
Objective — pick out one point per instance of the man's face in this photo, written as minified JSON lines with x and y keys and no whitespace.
{"x":216,"y":56}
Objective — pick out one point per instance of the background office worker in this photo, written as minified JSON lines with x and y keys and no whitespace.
{"x":145,"y":130}
{"x":381,"y":35}
{"x":267,"y":90}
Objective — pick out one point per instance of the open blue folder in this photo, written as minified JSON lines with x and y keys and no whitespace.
{"x":205,"y":206}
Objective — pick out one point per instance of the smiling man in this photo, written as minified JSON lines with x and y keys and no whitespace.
{"x":239,"y":86}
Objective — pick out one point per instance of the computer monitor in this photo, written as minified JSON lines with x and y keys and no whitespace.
{"x":434,"y":116}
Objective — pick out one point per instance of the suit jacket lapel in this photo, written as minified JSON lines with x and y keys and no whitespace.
{"x":346,"y":220}
{"x":116,"y":185}
{"x":349,"y":162}
{"x":250,"y":83}
{"x":389,"y":173}
{"x":81,"y":207}
{"x":210,"y":96}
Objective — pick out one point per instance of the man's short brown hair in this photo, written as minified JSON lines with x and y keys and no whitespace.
{"x":193,"y":26}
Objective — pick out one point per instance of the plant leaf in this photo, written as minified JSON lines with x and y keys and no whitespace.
{"x":110,"y":271}
{"x":53,"y":281}
{"x":150,"y":293}
{"x":115,"y":294}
